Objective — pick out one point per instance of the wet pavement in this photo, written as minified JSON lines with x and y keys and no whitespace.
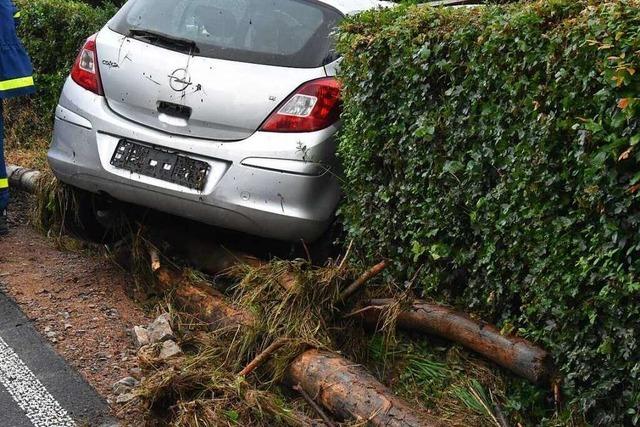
{"x":37,"y":387}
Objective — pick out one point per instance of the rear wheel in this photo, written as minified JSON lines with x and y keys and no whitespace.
{"x":328,"y":245}
{"x":99,"y":217}
{"x":66,"y":209}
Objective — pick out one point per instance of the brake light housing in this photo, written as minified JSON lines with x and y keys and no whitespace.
{"x":313,"y":106}
{"x":85,"y":71}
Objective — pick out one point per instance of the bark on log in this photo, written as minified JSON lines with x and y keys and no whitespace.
{"x":349,"y":391}
{"x":516,"y":354}
{"x":342,"y":387}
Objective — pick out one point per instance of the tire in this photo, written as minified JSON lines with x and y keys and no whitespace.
{"x":92,"y":216}
{"x":328,"y":245}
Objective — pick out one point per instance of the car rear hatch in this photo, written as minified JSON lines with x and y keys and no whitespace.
{"x":211,"y":69}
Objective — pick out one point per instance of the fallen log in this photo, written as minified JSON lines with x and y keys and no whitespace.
{"x":23,"y":178}
{"x":349,"y":391}
{"x":342,"y":387}
{"x":516,"y":354}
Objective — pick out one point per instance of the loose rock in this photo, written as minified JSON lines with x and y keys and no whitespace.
{"x":125,"y":398}
{"x":169,"y":349}
{"x":141,"y":336}
{"x":160,"y":330}
{"x":124,"y":386}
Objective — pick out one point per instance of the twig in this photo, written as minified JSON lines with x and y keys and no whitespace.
{"x":346,"y":256}
{"x":502,"y":420}
{"x":368,"y":275}
{"x":155,"y":258}
{"x":314,"y":405}
{"x":306,"y":251}
{"x":262,"y":357}
{"x":362,"y":310}
{"x":484,"y":405}
{"x":557,"y":396}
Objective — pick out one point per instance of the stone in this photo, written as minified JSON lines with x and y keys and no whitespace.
{"x":141,"y":336}
{"x":169,"y":349}
{"x":112,"y":313}
{"x":160,"y":330}
{"x":123,"y":386}
{"x":125,"y":398}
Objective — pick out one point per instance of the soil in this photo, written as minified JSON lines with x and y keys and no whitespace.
{"x":78,"y":301}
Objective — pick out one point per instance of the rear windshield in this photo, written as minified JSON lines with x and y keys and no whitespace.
{"x":288,"y":33}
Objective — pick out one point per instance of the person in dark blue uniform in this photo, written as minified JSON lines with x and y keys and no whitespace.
{"x":16,"y":79}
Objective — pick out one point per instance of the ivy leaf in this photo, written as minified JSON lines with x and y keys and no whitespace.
{"x":452,"y":166}
{"x":417,"y":250}
{"x":439,"y":251}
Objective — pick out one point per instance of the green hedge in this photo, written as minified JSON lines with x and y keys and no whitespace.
{"x":52,"y":32}
{"x":493,"y":152}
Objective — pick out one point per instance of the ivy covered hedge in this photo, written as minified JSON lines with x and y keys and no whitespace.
{"x":493,"y":154}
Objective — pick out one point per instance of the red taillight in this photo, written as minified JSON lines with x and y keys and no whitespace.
{"x":314,"y":106}
{"x":85,"y":71}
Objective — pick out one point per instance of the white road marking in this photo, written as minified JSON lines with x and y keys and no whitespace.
{"x":42,"y":409}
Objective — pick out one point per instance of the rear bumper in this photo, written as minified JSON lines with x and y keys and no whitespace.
{"x":272,"y":185}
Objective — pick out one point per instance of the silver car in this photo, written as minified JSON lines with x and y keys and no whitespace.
{"x":221,"y":111}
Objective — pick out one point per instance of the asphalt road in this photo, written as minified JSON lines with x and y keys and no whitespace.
{"x":37,"y":387}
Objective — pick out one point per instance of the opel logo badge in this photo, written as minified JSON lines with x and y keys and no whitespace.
{"x":180,"y":80}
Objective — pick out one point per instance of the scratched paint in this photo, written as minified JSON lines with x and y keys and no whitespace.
{"x":39,"y":406}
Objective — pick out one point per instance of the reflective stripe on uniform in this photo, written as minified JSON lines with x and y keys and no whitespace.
{"x":4,"y":183}
{"x":16,"y":83}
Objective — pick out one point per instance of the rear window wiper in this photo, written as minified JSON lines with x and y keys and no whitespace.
{"x":165,"y":39}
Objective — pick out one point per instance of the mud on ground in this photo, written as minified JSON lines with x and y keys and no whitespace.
{"x":77,"y":300}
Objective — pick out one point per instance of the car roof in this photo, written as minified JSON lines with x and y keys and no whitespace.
{"x":354,"y":6}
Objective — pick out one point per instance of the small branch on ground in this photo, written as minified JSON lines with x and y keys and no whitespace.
{"x":263,"y":357}
{"x":314,"y":405}
{"x":359,"y":311}
{"x":485,"y":405}
{"x":346,"y":256}
{"x":557,"y":396}
{"x":500,"y":418}
{"x":368,"y":275}
{"x":155,"y":258}
{"x":306,"y":251}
